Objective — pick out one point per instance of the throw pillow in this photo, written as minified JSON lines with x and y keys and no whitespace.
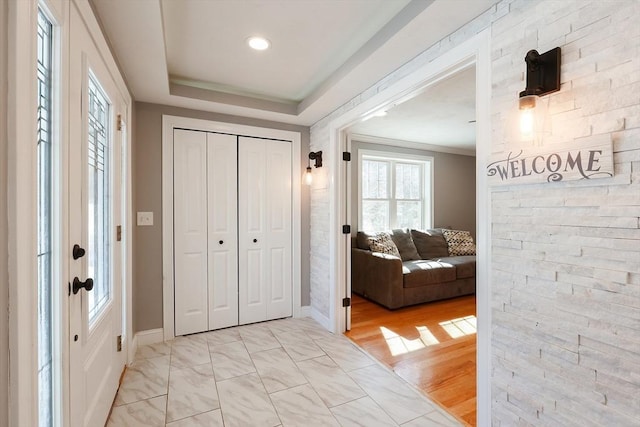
{"x":459,"y":242}
{"x":430,"y":243}
{"x":362,"y":240}
{"x":381,"y":242}
{"x":402,"y":238}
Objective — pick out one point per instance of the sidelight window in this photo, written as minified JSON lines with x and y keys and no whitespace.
{"x":44,"y":217}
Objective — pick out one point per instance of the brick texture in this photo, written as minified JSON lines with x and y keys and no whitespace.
{"x":565,"y":273}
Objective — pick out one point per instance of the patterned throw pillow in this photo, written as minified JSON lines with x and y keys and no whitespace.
{"x":459,"y":242}
{"x":381,"y":242}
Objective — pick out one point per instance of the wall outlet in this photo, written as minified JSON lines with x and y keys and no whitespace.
{"x":145,"y":218}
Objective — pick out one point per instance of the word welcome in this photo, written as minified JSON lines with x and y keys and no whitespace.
{"x":567,"y":165}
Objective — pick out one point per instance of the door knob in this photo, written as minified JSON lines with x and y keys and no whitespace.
{"x":221,"y":241}
{"x":255,"y":240}
{"x":78,"y":252}
{"x":77,"y":284}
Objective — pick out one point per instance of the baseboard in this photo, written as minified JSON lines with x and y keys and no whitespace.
{"x":150,"y":336}
{"x":305,"y":311}
{"x":321,"y":319}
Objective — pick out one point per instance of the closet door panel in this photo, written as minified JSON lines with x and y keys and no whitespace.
{"x":264,"y":229}
{"x":190,"y":231}
{"x":278,"y":230}
{"x":223,"y":230}
{"x":252,"y":193}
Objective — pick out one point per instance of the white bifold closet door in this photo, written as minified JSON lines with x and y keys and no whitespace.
{"x":264,"y":182}
{"x":190,"y":239}
{"x":222,"y":159}
{"x":232,"y":230}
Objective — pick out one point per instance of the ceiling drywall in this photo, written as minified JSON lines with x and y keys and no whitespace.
{"x":443,"y":114}
{"x":192,"y":53}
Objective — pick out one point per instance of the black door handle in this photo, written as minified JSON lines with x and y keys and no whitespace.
{"x":255,"y":240}
{"x":221,"y":242}
{"x":78,"y":252}
{"x":77,"y":284}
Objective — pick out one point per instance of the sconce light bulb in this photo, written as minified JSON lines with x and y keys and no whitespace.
{"x":526,"y":122}
{"x":527,"y":106}
{"x":308,"y":177}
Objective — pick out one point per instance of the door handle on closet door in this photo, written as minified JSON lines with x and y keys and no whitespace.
{"x":221,"y":242}
{"x":255,"y":240}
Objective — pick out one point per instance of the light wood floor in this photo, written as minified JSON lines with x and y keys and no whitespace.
{"x":414,"y":342}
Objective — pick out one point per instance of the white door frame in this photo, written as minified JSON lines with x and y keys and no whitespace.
{"x":474,"y":50}
{"x":168,"y":124}
{"x":21,"y":197}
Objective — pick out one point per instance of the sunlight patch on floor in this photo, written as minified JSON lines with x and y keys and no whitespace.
{"x":460,"y":327}
{"x":400,"y":345}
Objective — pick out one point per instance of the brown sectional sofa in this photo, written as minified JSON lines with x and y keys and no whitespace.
{"x":425,"y":272}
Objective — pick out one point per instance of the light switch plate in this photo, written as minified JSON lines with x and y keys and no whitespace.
{"x":145,"y":218}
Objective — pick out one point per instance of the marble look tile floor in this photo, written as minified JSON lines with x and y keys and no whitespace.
{"x":288,"y":372}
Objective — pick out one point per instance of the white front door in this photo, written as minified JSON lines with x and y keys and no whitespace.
{"x":94,"y":213}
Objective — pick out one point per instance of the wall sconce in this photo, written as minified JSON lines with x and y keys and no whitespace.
{"x":317,"y":157}
{"x":543,"y":77}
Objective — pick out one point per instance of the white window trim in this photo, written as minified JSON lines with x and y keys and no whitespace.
{"x":427,"y":193}
{"x":21,"y":195}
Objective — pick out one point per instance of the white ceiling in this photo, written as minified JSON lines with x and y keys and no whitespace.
{"x":205,"y":42}
{"x":441,"y":115}
{"x":192,"y":53}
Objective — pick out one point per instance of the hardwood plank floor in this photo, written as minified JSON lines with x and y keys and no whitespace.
{"x":432,"y":346}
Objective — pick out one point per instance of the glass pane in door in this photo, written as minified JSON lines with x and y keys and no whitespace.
{"x":98,"y":191}
{"x":44,"y":210}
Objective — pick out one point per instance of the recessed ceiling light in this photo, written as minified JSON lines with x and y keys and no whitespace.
{"x":258,"y":43}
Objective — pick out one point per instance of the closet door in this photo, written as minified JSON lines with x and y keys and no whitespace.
{"x":190,"y":213}
{"x":222,"y":159}
{"x":264,"y":190}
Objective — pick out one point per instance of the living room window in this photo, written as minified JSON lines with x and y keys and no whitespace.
{"x":395,"y":191}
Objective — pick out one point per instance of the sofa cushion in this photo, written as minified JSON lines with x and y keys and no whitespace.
{"x":381,"y":242}
{"x":425,"y":272}
{"x":459,"y":242}
{"x":465,"y":265}
{"x":402,"y":238}
{"x":430,"y":243}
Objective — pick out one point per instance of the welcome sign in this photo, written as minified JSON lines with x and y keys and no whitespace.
{"x":551,"y":165}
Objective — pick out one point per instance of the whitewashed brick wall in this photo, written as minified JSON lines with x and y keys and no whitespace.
{"x":566,"y":256}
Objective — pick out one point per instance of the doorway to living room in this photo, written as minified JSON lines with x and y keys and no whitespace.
{"x":475,"y":52}
{"x":412,"y":195}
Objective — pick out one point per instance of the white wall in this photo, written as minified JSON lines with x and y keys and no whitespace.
{"x":566,"y":257}
{"x":566,"y":291}
{"x":4,"y":276}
